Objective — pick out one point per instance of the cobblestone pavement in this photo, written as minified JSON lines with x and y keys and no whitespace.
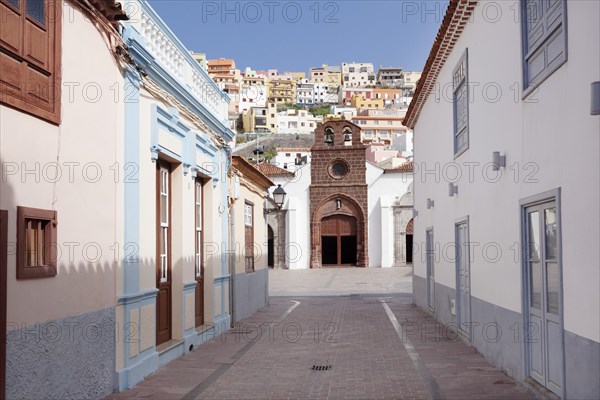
{"x":344,"y":347}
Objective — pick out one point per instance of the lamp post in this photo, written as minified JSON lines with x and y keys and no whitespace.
{"x":277,"y":222}
{"x":278,"y":198}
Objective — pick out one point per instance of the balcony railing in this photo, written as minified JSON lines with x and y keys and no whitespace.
{"x":175,"y":59}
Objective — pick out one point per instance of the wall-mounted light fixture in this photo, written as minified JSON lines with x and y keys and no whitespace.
{"x":595,"y":103}
{"x":498,"y":161}
{"x":430,"y":203}
{"x":452,"y":189}
{"x":154,"y":150}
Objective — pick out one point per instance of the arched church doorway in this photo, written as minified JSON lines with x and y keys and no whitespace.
{"x":338,"y":241}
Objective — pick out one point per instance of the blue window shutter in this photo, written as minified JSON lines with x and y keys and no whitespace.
{"x":544,"y":39}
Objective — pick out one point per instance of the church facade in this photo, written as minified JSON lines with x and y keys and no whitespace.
{"x":341,"y":210}
{"x":338,"y":197}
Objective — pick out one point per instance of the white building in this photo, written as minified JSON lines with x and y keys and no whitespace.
{"x":296,"y":121}
{"x":358,"y":74}
{"x":386,"y":219}
{"x":253,"y":93}
{"x":494,"y":180}
{"x":345,"y":111}
{"x":314,"y":93}
{"x":291,"y":159}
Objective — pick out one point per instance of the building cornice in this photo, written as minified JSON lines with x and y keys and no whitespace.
{"x":457,"y":16}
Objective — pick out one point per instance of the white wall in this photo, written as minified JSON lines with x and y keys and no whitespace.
{"x":383,"y":190}
{"x":298,"y":216}
{"x":531,"y":131}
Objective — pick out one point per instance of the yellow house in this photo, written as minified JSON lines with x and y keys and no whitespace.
{"x":325,"y":74}
{"x":282,"y":91}
{"x":260,"y":119}
{"x":357,"y":101}
{"x":248,"y":189}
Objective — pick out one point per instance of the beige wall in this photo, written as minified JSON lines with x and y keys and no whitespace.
{"x":250,"y":192}
{"x":87,"y":148}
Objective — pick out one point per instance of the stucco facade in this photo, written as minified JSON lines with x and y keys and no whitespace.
{"x":249,"y":188}
{"x":497,"y":207}
{"x":175,"y":289}
{"x":57,"y":324}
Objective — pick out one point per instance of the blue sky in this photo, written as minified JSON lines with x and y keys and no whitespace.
{"x":295,"y":35}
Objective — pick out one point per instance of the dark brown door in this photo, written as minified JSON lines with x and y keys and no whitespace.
{"x":199,"y":228}
{"x":163,"y":256}
{"x":249,"y":236}
{"x":338,"y":240}
{"x":3,"y":268}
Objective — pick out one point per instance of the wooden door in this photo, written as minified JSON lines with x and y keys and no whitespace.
{"x":339,"y":240}
{"x":199,"y":228}
{"x":163,"y":264}
{"x":249,"y":236}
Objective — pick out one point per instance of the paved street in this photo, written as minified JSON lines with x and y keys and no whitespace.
{"x":340,"y":281}
{"x":359,"y":346}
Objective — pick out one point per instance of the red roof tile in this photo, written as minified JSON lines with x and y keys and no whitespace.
{"x":272,"y":170}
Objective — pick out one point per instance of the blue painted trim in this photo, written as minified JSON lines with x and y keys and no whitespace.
{"x":189,"y":286}
{"x":131,"y":234}
{"x":133,"y":374}
{"x":220,"y":279}
{"x":172,"y":354}
{"x":137,"y":297}
{"x":170,"y":122}
{"x":145,"y":6}
{"x":180,"y":90}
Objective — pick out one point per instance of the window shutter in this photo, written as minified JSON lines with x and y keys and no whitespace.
{"x":30,"y":60}
{"x":545,"y":47}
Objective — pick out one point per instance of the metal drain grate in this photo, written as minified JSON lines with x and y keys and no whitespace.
{"x":321,"y":367}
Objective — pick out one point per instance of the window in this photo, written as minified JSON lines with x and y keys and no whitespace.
{"x":461,"y":105}
{"x":164,"y":211}
{"x":30,"y":56}
{"x":36,"y":243}
{"x":287,"y":154}
{"x":249,"y":236}
{"x":198,"y":230}
{"x":544,"y":39}
{"x":248,"y":214}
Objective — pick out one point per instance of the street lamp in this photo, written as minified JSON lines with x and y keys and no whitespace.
{"x":278,"y":198}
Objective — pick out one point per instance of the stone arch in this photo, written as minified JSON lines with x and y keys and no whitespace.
{"x":276,"y":221}
{"x":403,"y":217}
{"x":342,"y":205}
